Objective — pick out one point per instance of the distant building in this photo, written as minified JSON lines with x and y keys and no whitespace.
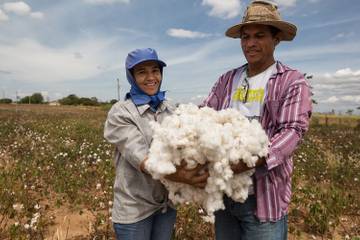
{"x":54,"y":103}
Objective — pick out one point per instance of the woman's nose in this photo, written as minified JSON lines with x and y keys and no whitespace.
{"x":150,"y":75}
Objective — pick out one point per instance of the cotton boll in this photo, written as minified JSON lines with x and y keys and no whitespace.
{"x":200,"y":136}
{"x":191,"y":164}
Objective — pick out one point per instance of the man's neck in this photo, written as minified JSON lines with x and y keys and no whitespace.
{"x":255,"y":69}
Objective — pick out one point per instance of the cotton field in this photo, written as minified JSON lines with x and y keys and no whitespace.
{"x":56,"y":177}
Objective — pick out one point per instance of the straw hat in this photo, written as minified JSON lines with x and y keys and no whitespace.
{"x":265,"y":13}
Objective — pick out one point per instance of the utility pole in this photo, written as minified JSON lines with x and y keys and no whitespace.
{"x":17,"y":102}
{"x":118,"y":89}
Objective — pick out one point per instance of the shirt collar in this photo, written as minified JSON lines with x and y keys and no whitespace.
{"x":142,"y":108}
{"x":281,"y":68}
{"x":162,"y":107}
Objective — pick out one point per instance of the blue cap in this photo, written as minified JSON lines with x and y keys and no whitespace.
{"x":141,"y":55}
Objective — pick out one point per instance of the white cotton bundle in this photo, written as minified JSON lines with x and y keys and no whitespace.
{"x":199,"y":136}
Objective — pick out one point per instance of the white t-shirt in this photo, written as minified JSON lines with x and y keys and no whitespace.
{"x":254,"y":92}
{"x":250,"y":103}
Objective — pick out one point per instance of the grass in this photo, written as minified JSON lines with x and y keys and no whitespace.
{"x":54,"y":159}
{"x":331,"y":119}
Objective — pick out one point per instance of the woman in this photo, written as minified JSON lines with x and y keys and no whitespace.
{"x":141,"y":207}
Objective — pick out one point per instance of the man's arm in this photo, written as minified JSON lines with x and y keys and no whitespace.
{"x":292,"y":123}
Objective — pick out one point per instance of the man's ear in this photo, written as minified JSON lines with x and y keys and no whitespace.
{"x":277,"y":40}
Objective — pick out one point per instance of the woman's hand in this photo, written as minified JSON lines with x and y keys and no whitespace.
{"x":142,"y":165}
{"x":196,"y":177}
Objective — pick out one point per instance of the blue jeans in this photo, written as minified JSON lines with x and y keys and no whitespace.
{"x":238,"y":222}
{"x":158,"y":226}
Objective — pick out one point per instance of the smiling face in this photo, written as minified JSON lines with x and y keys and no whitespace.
{"x":258,"y":45}
{"x":148,"y":77}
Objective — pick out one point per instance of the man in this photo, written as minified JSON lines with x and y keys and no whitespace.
{"x":277,"y":96}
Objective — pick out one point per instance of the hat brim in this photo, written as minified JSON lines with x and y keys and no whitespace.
{"x":161,"y":63}
{"x":287,"y":30}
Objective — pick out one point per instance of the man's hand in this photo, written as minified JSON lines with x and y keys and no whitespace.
{"x":239,"y":168}
{"x":196,"y":177}
{"x":242,"y":167}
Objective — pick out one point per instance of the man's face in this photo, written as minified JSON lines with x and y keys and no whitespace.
{"x":148,"y":77}
{"x":258,"y":44}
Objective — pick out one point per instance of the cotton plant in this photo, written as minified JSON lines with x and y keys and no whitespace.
{"x":205,"y":136}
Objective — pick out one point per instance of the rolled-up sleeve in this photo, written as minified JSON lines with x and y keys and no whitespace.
{"x":122,"y":131}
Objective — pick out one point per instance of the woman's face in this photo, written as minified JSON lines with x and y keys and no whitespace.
{"x":148,"y":77}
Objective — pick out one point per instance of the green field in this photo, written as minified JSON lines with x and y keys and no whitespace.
{"x":56,"y":177}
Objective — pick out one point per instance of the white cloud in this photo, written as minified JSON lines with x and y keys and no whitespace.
{"x":223,"y":9}
{"x":346,"y":98}
{"x":313,"y":52}
{"x":346,"y":73}
{"x":332,"y":99}
{"x":3,"y":16}
{"x":37,"y":15}
{"x":182,"y":33}
{"x":326,"y":87}
{"x":341,"y":36}
{"x":331,"y":23}
{"x":19,"y":8}
{"x":30,"y":61}
{"x":341,"y":78}
{"x":185,"y":55}
{"x":286,"y":3}
{"x":100,"y":2}
{"x":351,"y":98}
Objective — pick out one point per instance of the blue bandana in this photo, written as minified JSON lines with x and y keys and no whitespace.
{"x":136,"y":94}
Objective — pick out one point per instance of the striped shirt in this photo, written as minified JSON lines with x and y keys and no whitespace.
{"x":285,"y":118}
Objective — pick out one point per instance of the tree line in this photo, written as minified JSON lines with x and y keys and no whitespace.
{"x":71,"y":99}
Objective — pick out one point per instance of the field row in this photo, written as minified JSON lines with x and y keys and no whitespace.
{"x":56,"y":177}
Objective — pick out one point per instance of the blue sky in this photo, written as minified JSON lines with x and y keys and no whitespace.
{"x":79,"y":46}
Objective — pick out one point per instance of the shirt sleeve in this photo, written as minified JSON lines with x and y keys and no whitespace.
{"x":292,"y":122}
{"x":213,"y":100}
{"x":122,"y":131}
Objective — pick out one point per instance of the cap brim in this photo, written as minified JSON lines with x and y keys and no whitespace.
{"x":288,"y":30}
{"x":162,"y":64}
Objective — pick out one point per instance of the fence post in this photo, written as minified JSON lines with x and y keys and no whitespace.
{"x":326,"y":120}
